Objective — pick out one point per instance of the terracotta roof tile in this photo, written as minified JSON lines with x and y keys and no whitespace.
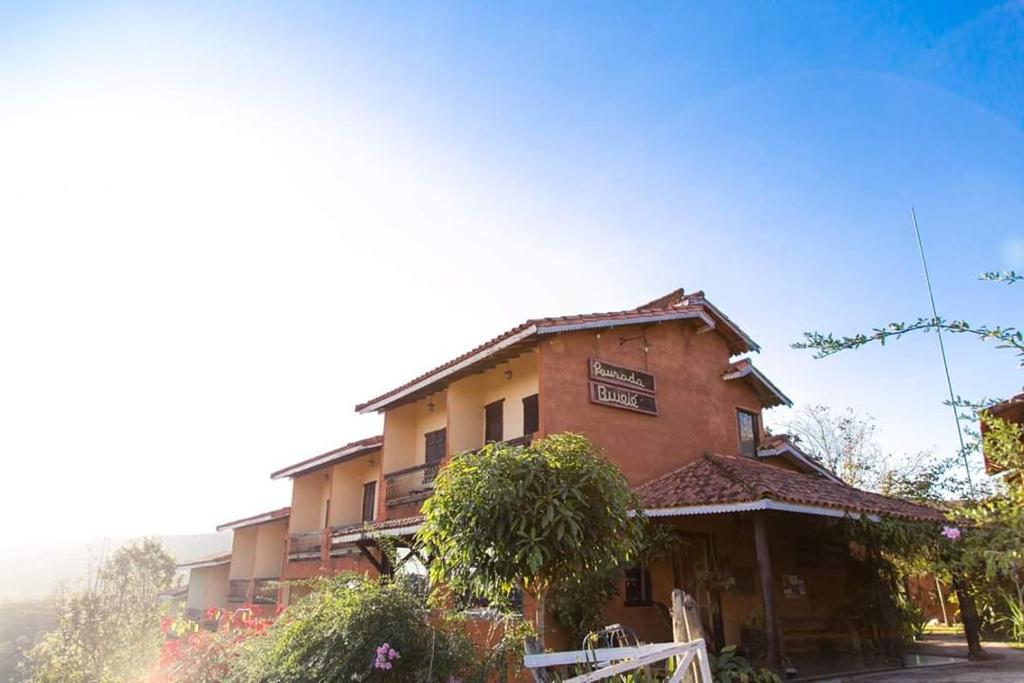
{"x":676,"y":302}
{"x":382,"y":525}
{"x":724,"y":479}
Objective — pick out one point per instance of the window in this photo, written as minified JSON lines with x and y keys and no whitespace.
{"x":747,"y":423}
{"x":264,"y":592}
{"x":494,"y":426}
{"x":435,"y":446}
{"x":238,"y":590}
{"x":638,"y":586}
{"x":369,"y":501}
{"x":531,"y":415}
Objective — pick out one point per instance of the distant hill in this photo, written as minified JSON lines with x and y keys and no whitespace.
{"x":35,"y":572}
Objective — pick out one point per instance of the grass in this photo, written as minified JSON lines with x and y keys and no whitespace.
{"x":944,"y":630}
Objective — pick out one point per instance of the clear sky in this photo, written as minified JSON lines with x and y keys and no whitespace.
{"x":224,"y":224}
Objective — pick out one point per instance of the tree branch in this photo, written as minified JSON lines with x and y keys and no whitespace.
{"x":828,"y":344}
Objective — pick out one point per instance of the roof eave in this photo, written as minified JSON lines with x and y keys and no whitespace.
{"x":390,"y":399}
{"x":747,"y":340}
{"x":796,"y":454}
{"x":264,"y":518}
{"x":778,"y":397}
{"x":758,"y":505}
{"x":330,"y":458}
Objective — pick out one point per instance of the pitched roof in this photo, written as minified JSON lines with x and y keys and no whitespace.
{"x":214,"y":560}
{"x":769,"y":394}
{"x":349,"y":451}
{"x":261,"y":518}
{"x":784,"y":446}
{"x":725,"y":483}
{"x":676,"y":305}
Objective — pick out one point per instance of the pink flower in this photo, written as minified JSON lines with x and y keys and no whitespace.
{"x":385,"y":653}
{"x":951,"y":532}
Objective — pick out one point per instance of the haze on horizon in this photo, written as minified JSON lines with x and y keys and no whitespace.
{"x":223,"y":226}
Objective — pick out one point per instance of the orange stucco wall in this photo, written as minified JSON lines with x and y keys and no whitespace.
{"x":308,"y":569}
{"x":257,"y":551}
{"x":696,"y":406}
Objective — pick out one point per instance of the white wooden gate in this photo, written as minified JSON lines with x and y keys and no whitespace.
{"x":613,"y":661}
{"x":688,"y":649}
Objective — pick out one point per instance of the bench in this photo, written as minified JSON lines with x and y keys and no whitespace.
{"x":815,"y":634}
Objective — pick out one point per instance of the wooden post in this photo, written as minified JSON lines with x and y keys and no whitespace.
{"x":969,"y":615}
{"x":325,"y":547}
{"x":942,"y":601}
{"x":679,"y":632}
{"x":686,"y":626}
{"x":772,"y":636}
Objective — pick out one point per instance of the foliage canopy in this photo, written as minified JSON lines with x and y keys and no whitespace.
{"x":528,"y":516}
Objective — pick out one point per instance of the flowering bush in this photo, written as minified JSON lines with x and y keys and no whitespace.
{"x":207,"y":653}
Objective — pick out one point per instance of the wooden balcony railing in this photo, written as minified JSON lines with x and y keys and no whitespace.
{"x":305,"y":545}
{"x":410,"y":484}
{"x":416,"y":483}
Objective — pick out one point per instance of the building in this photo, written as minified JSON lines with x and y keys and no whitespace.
{"x":332,"y":493}
{"x":249,"y":575}
{"x":1011,"y":410}
{"x":207,"y":584}
{"x":669,"y":392}
{"x":257,"y":556}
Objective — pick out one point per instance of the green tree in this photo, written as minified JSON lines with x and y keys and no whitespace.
{"x":109,"y":632}
{"x":529,"y":517}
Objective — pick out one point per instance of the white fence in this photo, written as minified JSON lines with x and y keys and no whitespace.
{"x":688,"y":650}
{"x":613,"y":661}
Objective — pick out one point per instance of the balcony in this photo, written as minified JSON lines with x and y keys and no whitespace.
{"x":307,"y":545}
{"x":238,"y":590}
{"x":411,"y":484}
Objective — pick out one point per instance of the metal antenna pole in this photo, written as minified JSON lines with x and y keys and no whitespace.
{"x":942,"y":351}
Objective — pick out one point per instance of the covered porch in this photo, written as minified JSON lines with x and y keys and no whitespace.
{"x":766,"y":551}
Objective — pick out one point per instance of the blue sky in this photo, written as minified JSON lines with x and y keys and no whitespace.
{"x":222,"y":226}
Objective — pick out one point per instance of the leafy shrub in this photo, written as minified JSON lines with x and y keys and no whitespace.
{"x":1012,"y":622}
{"x":353,"y":628}
{"x":729,"y":667}
{"x":578,"y":604}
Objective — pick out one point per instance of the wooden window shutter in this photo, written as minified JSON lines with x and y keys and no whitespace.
{"x":494,"y":426}
{"x":531,"y":414}
{"x":369,"y":501}
{"x":435,"y":445}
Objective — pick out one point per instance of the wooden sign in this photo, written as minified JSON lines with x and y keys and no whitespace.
{"x":609,"y":373}
{"x":620,"y":397}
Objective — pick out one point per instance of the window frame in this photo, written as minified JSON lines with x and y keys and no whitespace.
{"x":755,"y":420}
{"x":440,"y":436}
{"x":370,"y":496}
{"x":531,"y":407}
{"x":643,"y":578}
{"x":495,"y":409}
